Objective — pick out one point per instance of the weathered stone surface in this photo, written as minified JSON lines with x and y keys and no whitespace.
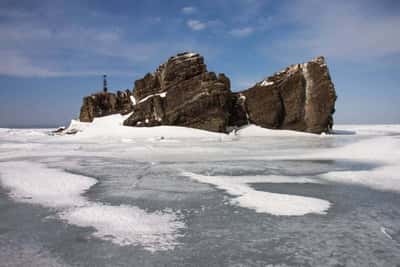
{"x":104,"y":103}
{"x":301,"y":97}
{"x":182,"y":92}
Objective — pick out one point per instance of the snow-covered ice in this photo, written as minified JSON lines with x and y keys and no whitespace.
{"x":117,"y":195}
{"x":124,"y":225}
{"x":34,"y":183}
{"x":272,"y":203}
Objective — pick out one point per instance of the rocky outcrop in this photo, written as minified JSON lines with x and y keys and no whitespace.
{"x":182,"y":92}
{"x":301,"y":97}
{"x":104,"y":103}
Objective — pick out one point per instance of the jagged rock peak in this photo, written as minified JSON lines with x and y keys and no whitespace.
{"x":182,"y":92}
{"x":181,"y":67}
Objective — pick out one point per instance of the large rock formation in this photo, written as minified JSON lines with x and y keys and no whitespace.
{"x":301,"y":97}
{"x":104,"y":103}
{"x":182,"y":92}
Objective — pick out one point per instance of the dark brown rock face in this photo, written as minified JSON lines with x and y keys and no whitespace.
{"x":182,"y":92}
{"x":301,"y":97}
{"x":104,"y":103}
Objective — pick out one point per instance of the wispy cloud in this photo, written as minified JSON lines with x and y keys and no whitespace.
{"x":196,"y":25}
{"x":187,"y":10}
{"x":241,"y":32}
{"x":31,"y":45}
{"x":343,"y":30}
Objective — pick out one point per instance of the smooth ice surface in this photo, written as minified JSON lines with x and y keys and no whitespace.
{"x":272,"y":203}
{"x":171,"y":196}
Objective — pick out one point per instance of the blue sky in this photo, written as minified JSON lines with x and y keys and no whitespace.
{"x":53,"y":52}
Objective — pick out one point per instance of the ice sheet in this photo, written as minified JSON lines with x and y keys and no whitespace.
{"x":254,"y":130}
{"x":34,"y":183}
{"x":378,"y":150}
{"x":127,"y":225}
{"x":124,"y":225}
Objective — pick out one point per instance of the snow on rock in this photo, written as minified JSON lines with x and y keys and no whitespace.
{"x":112,"y":127}
{"x":162,"y":95}
{"x":264,"y":202}
{"x":266,"y":83}
{"x":133,"y":100}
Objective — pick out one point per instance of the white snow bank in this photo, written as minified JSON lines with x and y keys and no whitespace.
{"x":367,"y":129}
{"x":112,"y":126}
{"x":35,"y":183}
{"x":77,"y":125}
{"x":374,"y":130}
{"x":264,"y":202}
{"x":384,"y":178}
{"x":126,"y":225}
{"x":378,"y":150}
{"x":257,"y":131}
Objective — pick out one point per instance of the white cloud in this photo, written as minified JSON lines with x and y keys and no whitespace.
{"x":196,"y":25}
{"x":241,"y":32}
{"x":187,"y":10}
{"x":345,"y":30}
{"x":20,"y":65}
{"x":15,"y":64}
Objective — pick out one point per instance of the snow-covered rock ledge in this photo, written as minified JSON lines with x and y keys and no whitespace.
{"x":111,"y":127}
